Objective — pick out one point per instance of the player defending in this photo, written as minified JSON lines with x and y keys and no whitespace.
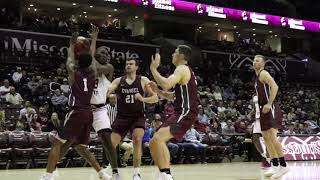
{"x":270,"y":117}
{"x":130,"y":105}
{"x":78,"y":122}
{"x":186,"y":104}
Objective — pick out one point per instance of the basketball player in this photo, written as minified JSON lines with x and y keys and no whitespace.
{"x":78,"y":122}
{"x":257,"y":134}
{"x":130,"y":112}
{"x":186,"y":104}
{"x":270,"y":117}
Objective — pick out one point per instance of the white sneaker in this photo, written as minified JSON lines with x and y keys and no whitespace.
{"x":116,"y":177}
{"x":271,"y":171}
{"x":105,"y":176}
{"x":46,"y":177}
{"x":280,"y":172}
{"x":136,"y":177}
{"x":165,"y":176}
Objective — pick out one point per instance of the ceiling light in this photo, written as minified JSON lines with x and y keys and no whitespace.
{"x":254,"y":34}
{"x":217,"y":24}
{"x":58,"y":9}
{"x":109,"y":15}
{"x":270,"y":31}
{"x":85,"y":16}
{"x":237,"y":32}
{"x":136,"y":17}
{"x":200,"y":27}
{"x":74,"y":4}
{"x":253,"y":29}
{"x":115,"y":10}
{"x":84,"y":12}
{"x":29,"y":8}
{"x":219,"y":30}
{"x":234,"y":26}
{"x":91,"y":6}
{"x":31,"y":5}
{"x":275,"y":35}
{"x":35,"y":9}
{"x":80,"y":15}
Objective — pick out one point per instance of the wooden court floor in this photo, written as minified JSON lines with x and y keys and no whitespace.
{"x":220,"y":171}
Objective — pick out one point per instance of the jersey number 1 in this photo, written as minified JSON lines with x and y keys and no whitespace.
{"x":130,"y":99}
{"x":85,"y":88}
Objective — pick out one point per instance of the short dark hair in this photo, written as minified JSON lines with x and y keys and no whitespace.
{"x":186,"y":51}
{"x":85,"y":60}
{"x":261,"y":56}
{"x":133,"y":59}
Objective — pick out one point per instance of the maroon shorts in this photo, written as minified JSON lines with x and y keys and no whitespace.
{"x":180,"y":124}
{"x":272,"y":119}
{"x":123,"y":124}
{"x":77,"y":126}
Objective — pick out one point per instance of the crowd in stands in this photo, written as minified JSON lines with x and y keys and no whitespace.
{"x":35,"y":99}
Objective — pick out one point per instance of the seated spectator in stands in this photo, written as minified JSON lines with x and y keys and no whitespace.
{"x":301,"y":129}
{"x":27,"y":112}
{"x":24,"y":78}
{"x":202,"y":122}
{"x":228,"y":94}
{"x":65,"y":88}
{"x":229,"y":128}
{"x":54,"y":123}
{"x":41,"y":94}
{"x":221,"y":107}
{"x":193,"y":138}
{"x":127,"y":146}
{"x":217,"y":93}
{"x":43,"y":118}
{"x":17,"y":76}
{"x":168,"y":109}
{"x":291,"y":130}
{"x":33,"y":84}
{"x":13,"y":97}
{"x":242,"y":128}
{"x":291,"y":115}
{"x":58,"y":99}
{"x":236,"y":81}
{"x":307,"y":128}
{"x":147,"y":135}
{"x":5,"y":89}
{"x":34,"y":124}
{"x":215,"y":128}
{"x":20,"y":125}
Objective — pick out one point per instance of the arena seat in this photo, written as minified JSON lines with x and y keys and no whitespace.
{"x":41,"y":146}
{"x":5,"y":150}
{"x":22,"y":149}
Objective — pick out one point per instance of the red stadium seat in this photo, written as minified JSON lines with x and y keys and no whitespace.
{"x":41,"y":146}
{"x":5,"y":150}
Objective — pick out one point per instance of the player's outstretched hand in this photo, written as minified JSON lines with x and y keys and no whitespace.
{"x":138,"y":97}
{"x":94,"y":32}
{"x":153,"y":86}
{"x":155,"y":61}
{"x":266,"y":108}
{"x":74,"y":37}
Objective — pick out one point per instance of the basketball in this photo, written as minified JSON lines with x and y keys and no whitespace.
{"x":81,"y":46}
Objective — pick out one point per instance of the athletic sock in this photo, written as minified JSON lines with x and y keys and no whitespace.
{"x":136,"y":171}
{"x":115,"y":171}
{"x":166,"y":170}
{"x":275,"y":162}
{"x":282,"y":162}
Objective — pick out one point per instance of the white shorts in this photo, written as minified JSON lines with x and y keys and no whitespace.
{"x":256,"y":127}
{"x":101,"y":119}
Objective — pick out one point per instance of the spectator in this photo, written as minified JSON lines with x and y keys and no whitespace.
{"x":168,"y":109}
{"x":58,"y":99}
{"x":242,"y":128}
{"x":13,"y":97}
{"x":229,"y":128}
{"x":32,"y":85}
{"x":290,"y":131}
{"x":5,"y":89}
{"x":27,"y":112}
{"x":17,"y":75}
{"x":43,"y":118}
{"x":54,"y":123}
{"x":2,"y":120}
{"x":65,"y":88}
{"x":127,"y":146}
{"x":193,"y":137}
{"x":217,"y":94}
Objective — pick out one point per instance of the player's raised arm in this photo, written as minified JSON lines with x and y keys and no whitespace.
{"x":166,"y":94}
{"x":70,"y":65}
{"x":114,"y":85}
{"x":152,"y":96}
{"x":172,"y":80}
{"x":94,"y":37}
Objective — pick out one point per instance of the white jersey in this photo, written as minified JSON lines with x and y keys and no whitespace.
{"x":99,"y":95}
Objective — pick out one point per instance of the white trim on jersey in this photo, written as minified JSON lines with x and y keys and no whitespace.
{"x":67,"y":117}
{"x":183,"y":114}
{"x":265,"y":90}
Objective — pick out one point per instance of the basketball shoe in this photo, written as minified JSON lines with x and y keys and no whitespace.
{"x":280,"y":172}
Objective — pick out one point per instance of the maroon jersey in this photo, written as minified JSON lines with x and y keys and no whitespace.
{"x":126,"y":103}
{"x":81,"y":90}
{"x":186,"y":97}
{"x":263,"y":92}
